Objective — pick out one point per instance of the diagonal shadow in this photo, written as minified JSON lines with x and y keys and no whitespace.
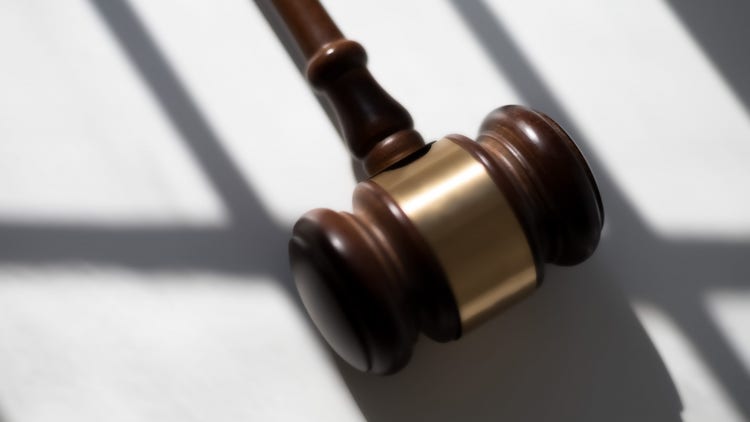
{"x":721,"y":29}
{"x":674,"y":275}
{"x":253,"y":243}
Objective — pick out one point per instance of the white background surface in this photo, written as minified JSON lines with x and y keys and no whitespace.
{"x":154,"y":155}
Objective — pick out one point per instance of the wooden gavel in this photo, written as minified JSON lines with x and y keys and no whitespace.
{"x":444,"y":234}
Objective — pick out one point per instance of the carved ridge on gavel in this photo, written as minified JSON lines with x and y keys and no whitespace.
{"x":443,"y":235}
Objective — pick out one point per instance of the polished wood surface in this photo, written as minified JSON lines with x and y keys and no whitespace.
{"x":373,"y":279}
{"x":555,"y":193}
{"x":370,"y":282}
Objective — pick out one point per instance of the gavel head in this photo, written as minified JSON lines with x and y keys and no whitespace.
{"x":445,"y":238}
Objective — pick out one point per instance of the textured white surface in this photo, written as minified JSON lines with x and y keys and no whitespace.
{"x":153,"y":156}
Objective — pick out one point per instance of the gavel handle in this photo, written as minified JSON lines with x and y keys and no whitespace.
{"x":377,"y":129}
{"x":308,"y":23}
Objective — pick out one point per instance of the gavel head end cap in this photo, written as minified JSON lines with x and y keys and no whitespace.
{"x":346,"y":289}
{"x":556,"y":178}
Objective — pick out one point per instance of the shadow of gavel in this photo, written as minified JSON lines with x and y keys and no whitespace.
{"x":443,"y":235}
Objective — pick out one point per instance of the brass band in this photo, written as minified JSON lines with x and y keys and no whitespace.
{"x":471,"y":228}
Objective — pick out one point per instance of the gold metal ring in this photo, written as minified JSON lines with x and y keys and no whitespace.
{"x":469,"y":225}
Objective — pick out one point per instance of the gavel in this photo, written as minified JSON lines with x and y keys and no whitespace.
{"x":443,"y":235}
